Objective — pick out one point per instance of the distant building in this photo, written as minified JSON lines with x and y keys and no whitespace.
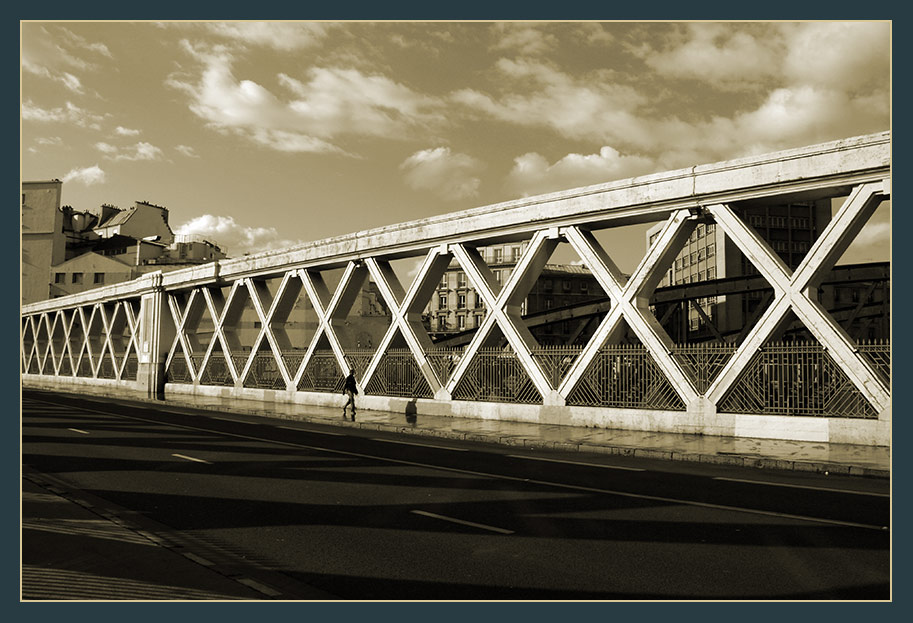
{"x":709,"y":254}
{"x":65,"y":251}
{"x":42,"y":237}
{"x":457,"y":307}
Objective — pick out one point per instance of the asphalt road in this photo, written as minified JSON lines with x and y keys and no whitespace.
{"x":353,"y":514}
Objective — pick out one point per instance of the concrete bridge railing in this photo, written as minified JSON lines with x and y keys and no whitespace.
{"x":179,"y":332}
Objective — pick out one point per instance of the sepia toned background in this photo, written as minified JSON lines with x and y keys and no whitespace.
{"x":263,"y":135}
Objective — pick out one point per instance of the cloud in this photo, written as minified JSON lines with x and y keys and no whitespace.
{"x":592,"y":106}
{"x":845,"y":56}
{"x":450,"y":176}
{"x":69,"y":113}
{"x":594,"y":33}
{"x":639,"y":118}
{"x":87,"y":176}
{"x":328,"y":104}
{"x":139,"y":151}
{"x":122,"y":131}
{"x":832,"y":55}
{"x":532,"y":174}
{"x":234,"y":238}
{"x":525,"y":39}
{"x":187,"y":150}
{"x":282,"y":36}
{"x":81,"y":42}
{"x":716,"y":53}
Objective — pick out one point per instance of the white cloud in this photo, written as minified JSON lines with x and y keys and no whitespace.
{"x":331,"y":103}
{"x":720,"y":55}
{"x":122,"y":131}
{"x":71,"y":82}
{"x":69,"y":113}
{"x":532,"y":174}
{"x":282,"y":36}
{"x":188,"y":151}
{"x":594,"y":33}
{"x":838,"y":55}
{"x":83,"y":43}
{"x":86,"y":176}
{"x":140,"y":151}
{"x":234,"y":238}
{"x":525,"y":39}
{"x":592,"y":106}
{"x":448,"y":175}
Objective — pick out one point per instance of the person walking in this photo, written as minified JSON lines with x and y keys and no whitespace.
{"x":350,"y":390}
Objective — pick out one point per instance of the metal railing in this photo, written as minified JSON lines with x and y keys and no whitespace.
{"x":702,"y":363}
{"x":496,"y":375}
{"x":556,"y":361}
{"x":795,"y":378}
{"x":878,"y":354}
{"x":626,"y":376}
{"x":398,"y":374}
{"x":322,"y":373}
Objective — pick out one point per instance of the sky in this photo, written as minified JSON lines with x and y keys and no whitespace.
{"x":263,"y":135}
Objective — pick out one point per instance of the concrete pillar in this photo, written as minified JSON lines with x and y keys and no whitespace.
{"x":156,"y":335}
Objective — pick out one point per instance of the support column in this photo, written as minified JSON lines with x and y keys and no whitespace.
{"x":156,"y":335}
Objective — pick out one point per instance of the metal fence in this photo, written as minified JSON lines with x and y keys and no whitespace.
{"x":625,"y":375}
{"x":322,"y":373}
{"x":702,"y":363}
{"x":496,"y":375}
{"x":784,"y":378}
{"x":398,"y":374}
{"x":556,"y":361}
{"x":795,"y":378}
{"x":878,"y":354}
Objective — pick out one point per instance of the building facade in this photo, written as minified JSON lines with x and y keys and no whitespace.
{"x":66,"y":251}
{"x":456,"y":307}
{"x":709,"y":254}
{"x":42,"y":237}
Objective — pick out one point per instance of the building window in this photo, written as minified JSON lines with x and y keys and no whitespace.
{"x":461,"y":322}
{"x":442,"y":302}
{"x":498,"y":256}
{"x":77,"y":277}
{"x":478,"y":320}
{"x":479,"y":303}
{"x":711,"y":273}
{"x":685,"y":261}
{"x":99,"y":278}
{"x":515,"y":254}
{"x":58,"y":277}
{"x":442,"y":323}
{"x":584,"y":286}
{"x":566,"y":285}
{"x":461,"y":301}
{"x":711,"y":249}
{"x":710,"y":228}
{"x":461,"y":279}
{"x":444,"y":280}
{"x":548,"y":303}
{"x":547,"y":285}
{"x":699,"y":231}
{"x":498,"y":276}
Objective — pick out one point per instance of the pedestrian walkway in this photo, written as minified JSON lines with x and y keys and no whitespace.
{"x":820,"y":457}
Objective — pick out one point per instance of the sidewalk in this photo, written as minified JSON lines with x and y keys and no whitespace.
{"x":820,"y":457}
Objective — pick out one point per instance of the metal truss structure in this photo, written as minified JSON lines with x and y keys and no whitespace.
{"x":102,"y":338}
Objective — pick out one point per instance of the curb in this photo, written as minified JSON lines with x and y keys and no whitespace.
{"x":733,"y":460}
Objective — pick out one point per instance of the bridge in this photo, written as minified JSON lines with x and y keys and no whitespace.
{"x":277,"y":326}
